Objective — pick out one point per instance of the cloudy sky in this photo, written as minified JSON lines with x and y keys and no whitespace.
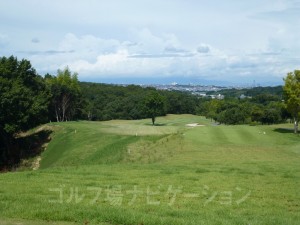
{"x":157,"y":41}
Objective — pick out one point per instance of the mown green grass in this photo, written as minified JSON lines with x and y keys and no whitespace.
{"x":220,"y":175}
{"x":35,"y":222}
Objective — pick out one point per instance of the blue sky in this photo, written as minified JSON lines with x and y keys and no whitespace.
{"x":216,"y":41}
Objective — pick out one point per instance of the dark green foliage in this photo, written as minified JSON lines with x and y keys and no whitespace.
{"x":232,"y":115}
{"x":66,"y":94}
{"x":107,"y":102}
{"x":264,"y":99}
{"x":292,"y":96}
{"x":251,"y":92}
{"x":180,"y":102}
{"x":257,"y":113}
{"x":24,"y":98}
{"x":271,"y":116}
{"x":154,"y":105}
{"x":266,"y":109}
{"x":23,"y":103}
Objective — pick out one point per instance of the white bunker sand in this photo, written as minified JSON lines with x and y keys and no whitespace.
{"x":194,"y":125}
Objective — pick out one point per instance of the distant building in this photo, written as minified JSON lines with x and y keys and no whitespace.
{"x":220,"y":97}
{"x":242,"y":96}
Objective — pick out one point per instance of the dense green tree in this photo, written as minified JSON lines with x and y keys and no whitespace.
{"x":178,"y":102}
{"x":232,"y":116}
{"x":270,"y":116}
{"x":292,"y":96}
{"x":105,"y":102}
{"x":127,"y":102}
{"x":24,"y":102}
{"x":249,"y":92}
{"x":65,"y":92}
{"x":213,"y":108}
{"x":265,"y":99}
{"x":234,"y":111}
{"x":257,"y":113}
{"x":154,"y":105}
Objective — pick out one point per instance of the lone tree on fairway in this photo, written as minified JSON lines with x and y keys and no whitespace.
{"x":292,"y":96}
{"x":154,"y":105}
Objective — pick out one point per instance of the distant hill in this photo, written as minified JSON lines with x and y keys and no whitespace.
{"x":252,"y":92}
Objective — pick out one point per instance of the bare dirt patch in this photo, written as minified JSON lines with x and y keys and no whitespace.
{"x":36,"y":163}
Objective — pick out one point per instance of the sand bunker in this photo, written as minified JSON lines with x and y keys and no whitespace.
{"x":194,"y":125}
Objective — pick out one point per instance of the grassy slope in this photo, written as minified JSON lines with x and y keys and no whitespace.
{"x":207,"y":167}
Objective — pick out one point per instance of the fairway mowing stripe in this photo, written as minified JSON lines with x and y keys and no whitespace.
{"x":218,"y":136}
{"x":236,"y":135}
{"x":245,"y":135}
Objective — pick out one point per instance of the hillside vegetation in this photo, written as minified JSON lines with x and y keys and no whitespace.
{"x":184,"y":170}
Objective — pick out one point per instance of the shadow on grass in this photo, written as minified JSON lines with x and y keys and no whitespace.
{"x":32,"y":145}
{"x":284,"y":130}
{"x":159,"y":124}
{"x":28,"y":147}
{"x":23,"y":148}
{"x":156,"y":124}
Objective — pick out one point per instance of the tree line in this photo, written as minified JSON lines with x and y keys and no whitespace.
{"x":28,"y":99}
{"x":107,"y":102}
{"x":254,"y":91}
{"x":262,"y":109}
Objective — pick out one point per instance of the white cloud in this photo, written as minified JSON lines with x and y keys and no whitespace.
{"x":225,"y":40}
{"x":150,"y":55}
{"x":144,"y":54}
{"x":120,"y":64}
